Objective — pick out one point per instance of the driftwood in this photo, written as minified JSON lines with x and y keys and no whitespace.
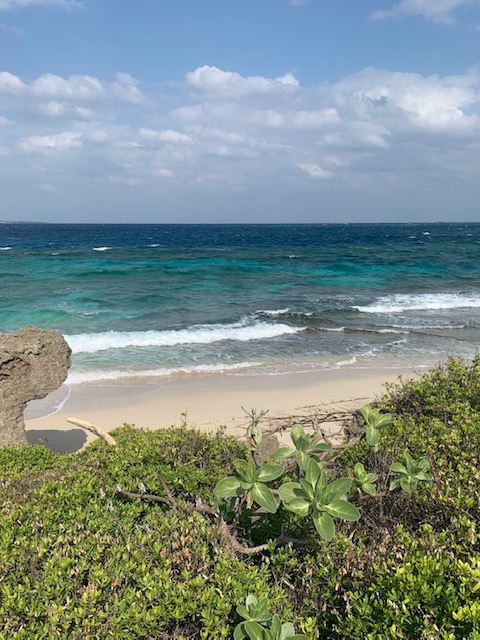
{"x":98,"y":431}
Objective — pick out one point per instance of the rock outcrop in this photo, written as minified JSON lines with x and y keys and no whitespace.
{"x":33,"y":363}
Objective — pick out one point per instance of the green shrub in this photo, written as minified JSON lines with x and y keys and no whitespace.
{"x":81,"y":559}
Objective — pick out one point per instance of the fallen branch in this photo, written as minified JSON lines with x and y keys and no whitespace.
{"x":234,"y":545}
{"x":94,"y":429}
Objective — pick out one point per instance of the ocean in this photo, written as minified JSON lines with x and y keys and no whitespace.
{"x":155,"y":300}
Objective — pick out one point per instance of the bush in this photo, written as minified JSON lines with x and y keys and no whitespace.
{"x":81,"y":558}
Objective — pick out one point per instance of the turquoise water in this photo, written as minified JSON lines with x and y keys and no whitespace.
{"x":157,"y":300}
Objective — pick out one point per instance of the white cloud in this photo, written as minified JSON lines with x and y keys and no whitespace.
{"x":6,"y":5}
{"x":55,"y":110}
{"x":82,"y":88}
{"x":59,"y":142}
{"x":315,"y":119}
{"x":230,"y":84}
{"x":314,"y":171}
{"x":240,"y":133}
{"x":436,"y":10}
{"x":10,"y":83}
{"x":428,"y":102}
{"x":168,"y":135}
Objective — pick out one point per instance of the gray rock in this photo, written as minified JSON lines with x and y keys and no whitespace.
{"x":33,"y":363}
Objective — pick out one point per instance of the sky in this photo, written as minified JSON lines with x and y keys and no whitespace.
{"x":240,"y":110}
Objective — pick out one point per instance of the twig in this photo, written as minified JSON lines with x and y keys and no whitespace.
{"x":171,"y":499}
{"x":232,"y":542}
{"x":98,"y":431}
{"x":145,"y":496}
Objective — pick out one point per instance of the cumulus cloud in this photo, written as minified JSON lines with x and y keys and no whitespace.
{"x":427,"y":102}
{"x":59,"y":142}
{"x":233,"y":85}
{"x":436,"y":10}
{"x":224,"y":130}
{"x":168,"y":135}
{"x":315,"y":171}
{"x":81,"y":88}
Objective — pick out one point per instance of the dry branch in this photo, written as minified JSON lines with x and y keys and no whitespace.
{"x":94,"y":429}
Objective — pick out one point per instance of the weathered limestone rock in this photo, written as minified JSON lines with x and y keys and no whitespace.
{"x":33,"y":363}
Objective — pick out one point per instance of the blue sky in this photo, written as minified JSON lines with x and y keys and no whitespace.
{"x":228,"y":111}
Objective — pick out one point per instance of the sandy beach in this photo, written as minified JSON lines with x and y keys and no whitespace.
{"x":204,"y":402}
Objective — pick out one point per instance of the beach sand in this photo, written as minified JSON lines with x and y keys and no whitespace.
{"x":204,"y":402}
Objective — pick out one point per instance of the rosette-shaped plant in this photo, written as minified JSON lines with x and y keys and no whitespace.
{"x":250,"y":483}
{"x":314,"y":496}
{"x":306,"y":446}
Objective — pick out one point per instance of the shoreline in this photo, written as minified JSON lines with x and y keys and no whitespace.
{"x":202,"y":401}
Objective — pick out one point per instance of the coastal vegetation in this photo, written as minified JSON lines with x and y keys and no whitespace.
{"x":181,"y":535}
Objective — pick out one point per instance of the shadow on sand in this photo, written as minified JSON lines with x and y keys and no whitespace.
{"x":59,"y":441}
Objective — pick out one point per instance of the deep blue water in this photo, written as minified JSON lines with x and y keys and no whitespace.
{"x":148,"y":300}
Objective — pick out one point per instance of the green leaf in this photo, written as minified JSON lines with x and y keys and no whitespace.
{"x":240,"y":466}
{"x":255,"y":631}
{"x":324,"y":524}
{"x":269,"y":472}
{"x":287,"y":630}
{"x":250,"y":471}
{"x":302,"y":459}
{"x":409,"y":461}
{"x":339,"y":487}
{"x":397,"y":467}
{"x":262,"y":606}
{"x":373,"y":435}
{"x":406,"y":485}
{"x":251,"y":599}
{"x":369,"y":488}
{"x":320,"y":447}
{"x":365,"y":412}
{"x":343,"y":510}
{"x":289,"y":491}
{"x":383,"y":420}
{"x":229,"y":488}
{"x":307,"y":489}
{"x":263,"y":496}
{"x":313,"y":473}
{"x":283,"y":453}
{"x":359,"y":471}
{"x":276,"y":627}
{"x":300,"y":506}
{"x":243,"y":612}
{"x":297,"y":433}
{"x":394,"y":484}
{"x":240,"y":632}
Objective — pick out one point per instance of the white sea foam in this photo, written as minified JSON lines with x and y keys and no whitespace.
{"x":96,"y":375}
{"x":199,"y":334}
{"x":421,"y":302}
{"x":344,"y":363}
{"x":5,"y":248}
{"x":273,"y":312}
{"x":101,"y":248}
